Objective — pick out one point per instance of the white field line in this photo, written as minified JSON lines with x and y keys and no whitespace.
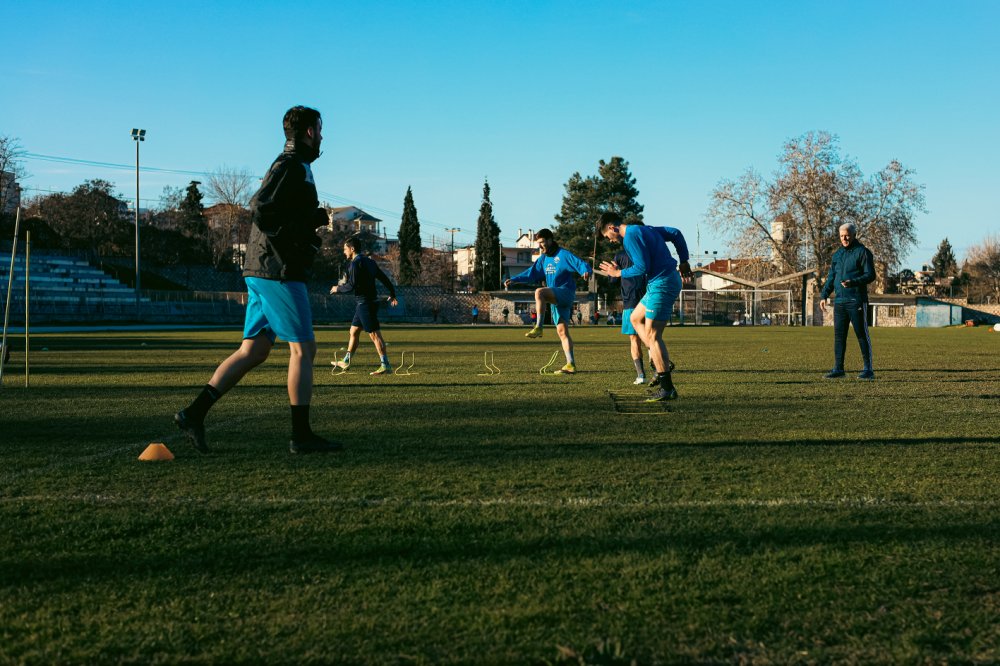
{"x":174,"y":435}
{"x":569,"y":503}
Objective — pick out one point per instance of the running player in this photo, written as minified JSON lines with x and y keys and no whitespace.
{"x":362,"y":272}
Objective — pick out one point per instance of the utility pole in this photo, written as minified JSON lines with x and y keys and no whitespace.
{"x":453,"y":277}
{"x":138,"y":135}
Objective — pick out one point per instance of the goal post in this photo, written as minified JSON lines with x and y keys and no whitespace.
{"x":735,"y":307}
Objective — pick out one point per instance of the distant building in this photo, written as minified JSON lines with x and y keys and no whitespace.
{"x":513,"y":260}
{"x":356,"y":221}
{"x":353,"y":219}
{"x":711,"y":282}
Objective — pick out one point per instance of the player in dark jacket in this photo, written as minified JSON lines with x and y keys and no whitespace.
{"x":362,"y":272}
{"x":632,"y":290}
{"x":280,"y":252}
{"x":852,"y":269}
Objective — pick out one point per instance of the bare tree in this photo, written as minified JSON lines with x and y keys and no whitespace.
{"x":230,"y":188}
{"x":793,"y":219}
{"x":983,"y":266}
{"x":11,"y":169}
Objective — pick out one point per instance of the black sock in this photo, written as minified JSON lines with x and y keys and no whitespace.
{"x":300,"y":422}
{"x":665,"y":380}
{"x":197,"y":409}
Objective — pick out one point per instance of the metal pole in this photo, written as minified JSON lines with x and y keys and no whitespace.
{"x":27,"y":300}
{"x":137,"y":282}
{"x":10,"y":285}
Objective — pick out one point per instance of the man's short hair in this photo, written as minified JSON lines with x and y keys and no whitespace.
{"x":544,"y":233}
{"x":608,"y":219}
{"x":850,"y":227}
{"x":354,"y":243}
{"x":298,"y":119}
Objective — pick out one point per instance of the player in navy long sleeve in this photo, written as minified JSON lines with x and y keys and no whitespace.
{"x":852,"y":269}
{"x":559,"y":269}
{"x":362,"y":272}
{"x":646,"y":247}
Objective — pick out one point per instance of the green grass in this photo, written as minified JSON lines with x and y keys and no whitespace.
{"x":769,"y":516}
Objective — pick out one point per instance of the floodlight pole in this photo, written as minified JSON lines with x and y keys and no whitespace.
{"x":453,"y":262}
{"x":138,"y":135}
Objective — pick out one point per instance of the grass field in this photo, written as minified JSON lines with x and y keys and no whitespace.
{"x":768,"y":517}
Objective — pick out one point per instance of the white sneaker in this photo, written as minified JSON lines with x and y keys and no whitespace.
{"x":641,"y":379}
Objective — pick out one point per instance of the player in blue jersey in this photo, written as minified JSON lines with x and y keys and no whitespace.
{"x":362,"y":272}
{"x":646,"y":247}
{"x":559,"y":269}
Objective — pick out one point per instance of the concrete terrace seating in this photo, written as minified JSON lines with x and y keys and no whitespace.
{"x":58,"y":279}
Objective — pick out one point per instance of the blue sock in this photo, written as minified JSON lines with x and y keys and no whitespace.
{"x":385,"y":359}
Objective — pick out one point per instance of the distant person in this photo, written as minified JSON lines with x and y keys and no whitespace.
{"x":506,"y":313}
{"x":362,"y":272}
{"x":579,"y":317}
{"x":285,"y":213}
{"x":475,"y":315}
{"x":852,"y":269}
{"x":646,"y":247}
{"x":559,"y":269}
{"x":534,"y":318}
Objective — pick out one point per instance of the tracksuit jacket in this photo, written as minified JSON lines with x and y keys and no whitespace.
{"x":285,"y":213}
{"x":854,"y":265}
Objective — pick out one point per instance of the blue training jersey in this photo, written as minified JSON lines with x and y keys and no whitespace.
{"x":559,"y":271}
{"x":647,"y":248}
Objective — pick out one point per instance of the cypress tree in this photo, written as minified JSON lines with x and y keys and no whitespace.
{"x":409,"y":242}
{"x":487,"y":269}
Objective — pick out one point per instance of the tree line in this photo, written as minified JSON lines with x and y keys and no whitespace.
{"x":780,"y":224}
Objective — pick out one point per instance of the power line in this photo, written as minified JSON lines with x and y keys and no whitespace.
{"x":329,"y":196}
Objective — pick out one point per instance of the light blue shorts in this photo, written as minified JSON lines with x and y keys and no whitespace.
{"x":660,"y":296}
{"x":561,"y":311}
{"x":278,"y":310}
{"x":627,"y":327}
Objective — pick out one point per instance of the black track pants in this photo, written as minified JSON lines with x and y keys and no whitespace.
{"x":854,"y":313}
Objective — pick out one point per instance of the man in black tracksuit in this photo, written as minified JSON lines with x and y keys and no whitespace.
{"x":852,"y":268}
{"x":280,"y":252}
{"x":362,"y":272}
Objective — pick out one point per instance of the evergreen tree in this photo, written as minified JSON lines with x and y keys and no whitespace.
{"x":613,"y":189}
{"x":409,"y":242}
{"x":192,"y":212}
{"x":487,"y":270}
{"x":944,"y":262}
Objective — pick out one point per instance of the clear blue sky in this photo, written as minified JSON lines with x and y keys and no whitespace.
{"x":440,"y":95}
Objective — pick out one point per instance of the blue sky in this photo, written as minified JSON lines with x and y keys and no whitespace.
{"x":440,"y":95}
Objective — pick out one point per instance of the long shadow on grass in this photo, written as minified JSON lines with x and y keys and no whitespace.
{"x":288,"y":544}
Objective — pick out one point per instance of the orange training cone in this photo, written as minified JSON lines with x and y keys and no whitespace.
{"x":156,"y":451}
